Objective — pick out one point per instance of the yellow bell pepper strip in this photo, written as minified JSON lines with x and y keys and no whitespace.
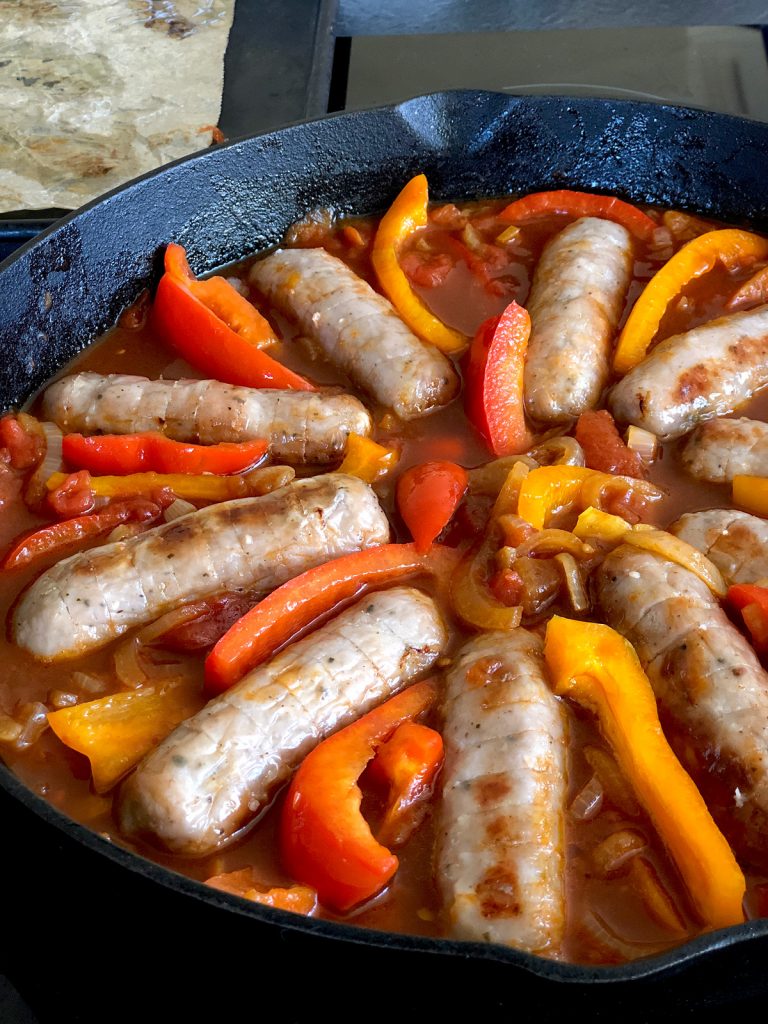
{"x":751,"y":493}
{"x":301,"y":601}
{"x":406,"y":215}
{"x":427,"y":497}
{"x":191,"y":487}
{"x":115,"y":732}
{"x":753,"y":292}
{"x":408,"y":763}
{"x":153,"y":451}
{"x":615,"y":530}
{"x":299,"y":899}
{"x":493,"y":384}
{"x":366,"y":459}
{"x":581,"y":204}
{"x":729,"y":246}
{"x":549,"y":488}
{"x":216,"y":329}
{"x":599,"y":669}
{"x":324,"y":839}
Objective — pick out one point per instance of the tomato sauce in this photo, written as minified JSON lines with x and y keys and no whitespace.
{"x":608,"y":919}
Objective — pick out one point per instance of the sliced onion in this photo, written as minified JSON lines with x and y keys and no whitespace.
{"x":515,"y":530}
{"x":172,"y":619}
{"x":659,"y":542}
{"x":588,"y":801}
{"x":51,"y":462}
{"x":644,"y":442}
{"x":128,"y":667}
{"x":575,"y":585}
{"x":551,"y":541}
{"x":89,"y":683}
{"x":33,"y":718}
{"x":598,"y":491}
{"x":270,"y":478}
{"x":472,"y":239}
{"x":616,"y":850}
{"x":597,"y":929}
{"x":127,"y":530}
{"x":490,"y":478}
{"x":558,"y":451}
{"x":10,"y":729}
{"x":62,"y":699}
{"x":506,"y":501}
{"x":473,"y":602}
{"x":178,"y":508}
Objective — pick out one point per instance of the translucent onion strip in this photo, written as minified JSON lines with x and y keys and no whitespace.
{"x":472,"y":600}
{"x":588,"y":801}
{"x":575,"y":585}
{"x":178,"y":508}
{"x":551,"y":541}
{"x":644,"y":442}
{"x":50,"y":463}
{"x":558,"y":451}
{"x":490,"y":478}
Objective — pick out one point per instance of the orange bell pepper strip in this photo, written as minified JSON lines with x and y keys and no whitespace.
{"x":599,"y":669}
{"x":581,"y":204}
{"x":132,"y":453}
{"x":751,"y":493}
{"x":366,"y":459}
{"x":325,"y":841}
{"x":301,"y":601}
{"x":57,"y":537}
{"x":406,"y":215}
{"x":427,"y":497}
{"x":408,"y":763}
{"x":493,"y":387}
{"x":299,"y":899}
{"x":216,"y":329}
{"x":729,"y":246}
{"x":752,"y":602}
{"x":204,"y":487}
{"x":116,"y":732}
{"x":753,"y":292}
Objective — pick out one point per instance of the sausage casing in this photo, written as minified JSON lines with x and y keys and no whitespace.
{"x":575,"y":304}
{"x":301,"y":426}
{"x":735,"y":541}
{"x":220,"y":767}
{"x":723,"y":448}
{"x":358,"y":330}
{"x":87,"y":600}
{"x":691,"y":377}
{"x":501,"y":835}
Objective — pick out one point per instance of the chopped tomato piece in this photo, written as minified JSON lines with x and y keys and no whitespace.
{"x":603,"y":447}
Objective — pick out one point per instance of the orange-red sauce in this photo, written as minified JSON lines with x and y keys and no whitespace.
{"x":411,"y":903}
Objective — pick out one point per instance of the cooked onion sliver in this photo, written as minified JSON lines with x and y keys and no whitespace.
{"x":616,"y":850}
{"x":50,"y":463}
{"x":474,"y":603}
{"x":645,"y":443}
{"x":659,"y":542}
{"x":588,"y":801}
{"x":656,"y":899}
{"x":490,"y":478}
{"x":558,"y":451}
{"x":172,"y":619}
{"x":551,"y":541}
{"x":598,"y":490}
{"x":178,"y":508}
{"x":10,"y":729}
{"x":573,"y":581}
{"x":506,"y":502}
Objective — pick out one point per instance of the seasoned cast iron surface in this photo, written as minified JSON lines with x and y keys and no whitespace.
{"x":60,"y":291}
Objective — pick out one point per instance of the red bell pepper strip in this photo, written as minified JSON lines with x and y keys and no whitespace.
{"x":58,"y":536}
{"x":324,"y":839}
{"x":134,"y":453}
{"x":427,"y":497}
{"x":215,"y":329}
{"x":752,"y":602}
{"x":581,"y":204}
{"x":493,"y":394}
{"x":302,"y":600}
{"x":409,"y":763}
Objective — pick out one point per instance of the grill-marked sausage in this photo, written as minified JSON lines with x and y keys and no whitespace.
{"x":87,"y":600}
{"x":301,"y":426}
{"x":220,"y":768}
{"x":721,"y":449}
{"x":706,"y":677}
{"x":691,"y":377}
{"x":501,"y":857}
{"x":575,"y":304}
{"x":735,"y":541}
{"x":358,"y":330}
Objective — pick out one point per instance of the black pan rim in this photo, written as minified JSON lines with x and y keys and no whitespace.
{"x":556,"y":971}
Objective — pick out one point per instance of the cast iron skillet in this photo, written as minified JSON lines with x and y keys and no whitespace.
{"x":127,"y":924}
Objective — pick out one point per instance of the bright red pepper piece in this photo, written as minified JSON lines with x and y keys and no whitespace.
{"x":59,"y":536}
{"x":324,"y":839}
{"x":216,"y":329}
{"x":581,"y":204}
{"x":301,"y":601}
{"x":427,"y":497}
{"x":493,"y":394}
{"x":409,"y":763}
{"x":153,"y":452}
{"x":752,"y":602}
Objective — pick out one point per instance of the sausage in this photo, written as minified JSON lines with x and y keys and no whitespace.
{"x":691,"y":377}
{"x":721,"y":449}
{"x":221,"y":767}
{"x":706,"y":677}
{"x":358,"y":330}
{"x":501,"y":858}
{"x":301,"y":426}
{"x":735,"y":541}
{"x":576,"y":301}
{"x":92,"y":597}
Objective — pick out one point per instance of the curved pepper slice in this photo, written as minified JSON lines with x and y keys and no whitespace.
{"x":493,"y":395}
{"x":153,"y":451}
{"x":59,"y":536}
{"x":405,"y":215}
{"x":549,"y":488}
{"x":216,"y":329}
{"x":427,"y":497}
{"x":599,"y":669}
{"x":203,"y":487}
{"x":729,"y":246}
{"x":324,"y":839}
{"x":581,"y":204}
{"x":302,"y":600}
{"x":409,"y":763}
